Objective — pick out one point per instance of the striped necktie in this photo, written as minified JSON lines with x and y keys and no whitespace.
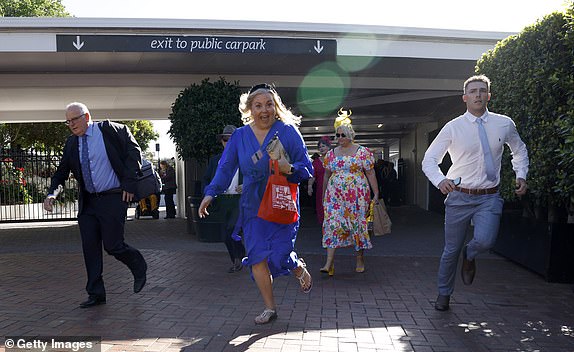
{"x":85,"y":162}
{"x":488,"y":161}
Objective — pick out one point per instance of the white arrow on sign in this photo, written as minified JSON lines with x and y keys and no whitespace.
{"x":318,"y":48}
{"x":77,"y":44}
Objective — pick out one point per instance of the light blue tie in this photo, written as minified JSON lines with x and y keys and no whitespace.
{"x":488,"y":161}
{"x":85,"y":162}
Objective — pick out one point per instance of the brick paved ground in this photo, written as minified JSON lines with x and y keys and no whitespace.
{"x":190,"y":302}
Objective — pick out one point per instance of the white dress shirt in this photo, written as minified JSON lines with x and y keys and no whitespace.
{"x":459,"y":137}
{"x":232,"y":189}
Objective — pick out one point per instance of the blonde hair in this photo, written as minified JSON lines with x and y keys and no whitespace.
{"x":284,"y":114}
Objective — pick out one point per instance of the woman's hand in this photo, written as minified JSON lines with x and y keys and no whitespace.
{"x":284,"y":166}
{"x":205,"y":202}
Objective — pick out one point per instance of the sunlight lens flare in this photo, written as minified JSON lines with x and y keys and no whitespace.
{"x":323,"y":90}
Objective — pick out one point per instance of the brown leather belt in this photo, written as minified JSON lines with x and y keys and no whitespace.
{"x":477,"y":192}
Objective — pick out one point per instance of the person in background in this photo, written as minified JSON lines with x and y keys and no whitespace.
{"x":390,"y":185}
{"x":269,"y":245}
{"x":324,"y":145}
{"x":105,"y":159}
{"x":167,"y":174}
{"x":475,"y":142}
{"x":379,"y":173}
{"x":229,"y":202}
{"x":153,"y":199}
{"x":349,"y":170}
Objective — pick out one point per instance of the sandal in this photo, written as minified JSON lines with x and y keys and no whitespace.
{"x":305,"y":277}
{"x":266,"y":316}
{"x":360,"y":264}
{"x":330,"y":271}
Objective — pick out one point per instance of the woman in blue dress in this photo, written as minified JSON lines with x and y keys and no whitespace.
{"x":269,"y":245}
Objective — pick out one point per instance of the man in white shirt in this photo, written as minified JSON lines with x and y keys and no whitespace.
{"x":476,"y":198}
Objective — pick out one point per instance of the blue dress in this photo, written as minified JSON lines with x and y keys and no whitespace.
{"x":263,"y":239}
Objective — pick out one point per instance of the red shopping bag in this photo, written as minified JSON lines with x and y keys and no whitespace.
{"x":279,"y":203}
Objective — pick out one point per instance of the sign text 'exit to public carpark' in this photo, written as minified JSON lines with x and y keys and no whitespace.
{"x":195,"y":44}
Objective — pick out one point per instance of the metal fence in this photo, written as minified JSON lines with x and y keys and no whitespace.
{"x":24,"y":182}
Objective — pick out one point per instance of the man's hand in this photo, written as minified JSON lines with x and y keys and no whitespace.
{"x":239,"y":189}
{"x":127,"y":196}
{"x":446,"y":186}
{"x":521,"y":186}
{"x":49,"y":203}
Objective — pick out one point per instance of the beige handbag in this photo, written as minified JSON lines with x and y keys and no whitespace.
{"x":276,"y":150}
{"x":381,"y":221}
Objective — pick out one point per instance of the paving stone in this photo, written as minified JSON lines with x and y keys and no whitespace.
{"x":191,"y":303}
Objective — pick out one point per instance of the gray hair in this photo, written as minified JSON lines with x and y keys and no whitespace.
{"x":347,"y":129}
{"x":78,"y":106}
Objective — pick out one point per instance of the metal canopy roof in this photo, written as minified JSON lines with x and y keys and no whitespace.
{"x":392,"y":78}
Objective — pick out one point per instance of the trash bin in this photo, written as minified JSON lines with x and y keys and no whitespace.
{"x":188,"y":211}
{"x":208,"y":229}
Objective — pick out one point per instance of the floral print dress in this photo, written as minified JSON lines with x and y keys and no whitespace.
{"x":347,"y":200}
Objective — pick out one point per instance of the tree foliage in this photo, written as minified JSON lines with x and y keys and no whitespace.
{"x":143,"y":132}
{"x":199,"y":113}
{"x":533,"y":82}
{"x":52,"y":135}
{"x":32,"y":8}
{"x":39,"y":135}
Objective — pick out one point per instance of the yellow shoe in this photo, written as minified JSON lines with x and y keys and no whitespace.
{"x":330,"y":270}
{"x":360,"y":264}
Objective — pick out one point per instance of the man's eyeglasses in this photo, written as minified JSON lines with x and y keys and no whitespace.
{"x":225,"y":138}
{"x":340,"y":135}
{"x":73,"y":119}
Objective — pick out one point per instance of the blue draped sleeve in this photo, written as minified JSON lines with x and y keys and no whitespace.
{"x":263,"y":240}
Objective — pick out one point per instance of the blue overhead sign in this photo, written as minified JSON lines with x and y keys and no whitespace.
{"x":195,"y":44}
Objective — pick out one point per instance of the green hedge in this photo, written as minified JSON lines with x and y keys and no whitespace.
{"x":199,"y":114}
{"x":533,"y":83}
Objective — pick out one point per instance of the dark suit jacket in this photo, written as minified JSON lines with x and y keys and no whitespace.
{"x":121,"y":148}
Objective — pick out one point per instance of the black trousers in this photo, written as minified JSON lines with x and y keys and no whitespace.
{"x":102,"y":223}
{"x":169,"y":203}
{"x":229,"y":207}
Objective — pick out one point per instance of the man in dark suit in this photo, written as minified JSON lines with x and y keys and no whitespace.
{"x":229,"y":203}
{"x":104,"y":158}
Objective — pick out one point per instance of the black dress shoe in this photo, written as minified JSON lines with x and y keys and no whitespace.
{"x":140,"y":279}
{"x":235,"y":268}
{"x":442,"y":303}
{"x":93,"y":301}
{"x":468,"y":268}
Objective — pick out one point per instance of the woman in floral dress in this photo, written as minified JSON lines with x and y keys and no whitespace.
{"x":348,"y":173}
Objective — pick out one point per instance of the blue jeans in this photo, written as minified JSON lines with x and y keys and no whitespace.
{"x":460,"y":209}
